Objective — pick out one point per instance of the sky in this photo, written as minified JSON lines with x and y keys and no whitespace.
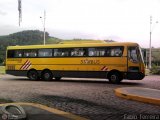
{"x":119,"y":20}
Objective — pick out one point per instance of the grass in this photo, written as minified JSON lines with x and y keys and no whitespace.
{"x":2,"y":100}
{"x":2,"y":69}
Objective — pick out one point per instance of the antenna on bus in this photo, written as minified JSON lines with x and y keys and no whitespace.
{"x":20,"y":11}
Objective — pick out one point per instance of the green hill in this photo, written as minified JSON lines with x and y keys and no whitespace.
{"x":28,"y":37}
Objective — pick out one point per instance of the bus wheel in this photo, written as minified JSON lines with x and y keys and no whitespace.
{"x":57,"y":78}
{"x":115,"y":78}
{"x":32,"y":75}
{"x":47,"y":75}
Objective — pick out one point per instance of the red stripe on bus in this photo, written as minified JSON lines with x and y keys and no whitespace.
{"x":103,"y":67}
{"x":27,"y":66}
{"x":24,"y":64}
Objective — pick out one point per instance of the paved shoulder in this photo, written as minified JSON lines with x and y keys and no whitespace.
{"x":140,"y":94}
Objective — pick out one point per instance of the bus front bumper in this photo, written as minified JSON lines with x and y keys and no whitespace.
{"x":134,"y":76}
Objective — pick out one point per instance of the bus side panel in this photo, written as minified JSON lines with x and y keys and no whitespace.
{"x":86,"y":66}
{"x":73,"y":64}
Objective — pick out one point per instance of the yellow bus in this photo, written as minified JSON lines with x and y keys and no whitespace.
{"x":114,"y":61}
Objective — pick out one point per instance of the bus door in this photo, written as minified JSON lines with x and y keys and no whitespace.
{"x":134,"y":63}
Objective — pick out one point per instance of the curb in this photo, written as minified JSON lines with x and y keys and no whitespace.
{"x":121,"y":92}
{"x":49,"y":109}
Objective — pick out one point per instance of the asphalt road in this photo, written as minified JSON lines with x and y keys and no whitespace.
{"x":90,"y":98}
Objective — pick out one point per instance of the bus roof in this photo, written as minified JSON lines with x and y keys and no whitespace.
{"x":74,"y":45}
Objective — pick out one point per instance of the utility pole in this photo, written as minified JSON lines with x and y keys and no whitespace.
{"x":44,"y":27}
{"x":44,"y":30}
{"x":146,"y":58}
{"x":150,"y":51}
{"x":150,"y":47}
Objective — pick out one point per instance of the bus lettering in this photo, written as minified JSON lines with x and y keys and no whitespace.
{"x":86,"y":61}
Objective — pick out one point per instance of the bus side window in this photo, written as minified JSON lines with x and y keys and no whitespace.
{"x":26,"y":54}
{"x":55,"y":52}
{"x":114,"y":51}
{"x":118,"y":52}
{"x":14,"y":53}
{"x":30,"y":53}
{"x":18,"y":54}
{"x":10,"y":53}
{"x":96,"y":51}
{"x":45,"y":53}
{"x":91,"y":51}
{"x":61,"y":52}
{"x":78,"y":52}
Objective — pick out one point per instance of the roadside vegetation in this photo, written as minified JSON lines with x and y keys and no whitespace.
{"x":147,"y":72}
{"x":2,"y":100}
{"x":2,"y":69}
{"x":155,"y":70}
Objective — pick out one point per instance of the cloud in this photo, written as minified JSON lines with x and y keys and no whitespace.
{"x":2,"y":13}
{"x":9,"y":29}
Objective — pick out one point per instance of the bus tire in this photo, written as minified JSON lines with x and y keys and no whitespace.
{"x":47,"y":75}
{"x":32,"y":75}
{"x":57,"y":78}
{"x":115,"y":78}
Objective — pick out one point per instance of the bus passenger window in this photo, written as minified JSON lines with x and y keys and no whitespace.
{"x":96,"y":51}
{"x":114,"y":51}
{"x":30,"y":53}
{"x":78,"y":52}
{"x":91,"y":51}
{"x":18,"y":54}
{"x":10,"y":53}
{"x":61,"y":52}
{"x":45,"y":53}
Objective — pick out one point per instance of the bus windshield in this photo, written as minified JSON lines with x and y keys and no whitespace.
{"x":141,"y":56}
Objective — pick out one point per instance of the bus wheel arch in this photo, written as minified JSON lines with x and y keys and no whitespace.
{"x":32,"y":74}
{"x":115,"y":76}
{"x":46,"y":75}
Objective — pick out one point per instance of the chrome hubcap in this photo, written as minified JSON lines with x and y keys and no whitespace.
{"x":46,"y":75}
{"x":113,"y":77}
